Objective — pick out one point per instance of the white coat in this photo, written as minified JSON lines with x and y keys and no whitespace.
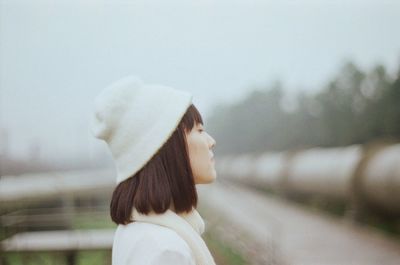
{"x":140,"y":243}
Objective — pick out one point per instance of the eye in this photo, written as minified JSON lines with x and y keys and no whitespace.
{"x":201,"y":130}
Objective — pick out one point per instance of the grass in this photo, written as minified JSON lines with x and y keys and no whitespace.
{"x":223,"y":254}
{"x":57,"y":258}
{"x":93,"y":223}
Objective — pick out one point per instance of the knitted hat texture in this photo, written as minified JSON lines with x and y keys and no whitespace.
{"x":135,"y":120}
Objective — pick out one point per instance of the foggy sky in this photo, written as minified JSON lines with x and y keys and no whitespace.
{"x":56,"y":56}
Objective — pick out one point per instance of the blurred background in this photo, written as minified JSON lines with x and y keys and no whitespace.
{"x":302,"y":97}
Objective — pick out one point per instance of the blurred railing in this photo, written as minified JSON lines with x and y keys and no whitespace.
{"x":365,"y":178}
{"x":39,"y":211}
{"x":56,"y":213}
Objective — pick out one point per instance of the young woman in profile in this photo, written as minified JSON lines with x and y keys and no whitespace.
{"x":161,"y":150}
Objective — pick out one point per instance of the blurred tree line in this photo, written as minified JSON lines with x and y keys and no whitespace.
{"x":354,"y":108}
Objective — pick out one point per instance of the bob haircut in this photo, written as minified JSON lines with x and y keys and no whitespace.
{"x":166,"y":180}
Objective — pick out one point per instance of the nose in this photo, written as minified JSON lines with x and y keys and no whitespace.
{"x":212,"y":142}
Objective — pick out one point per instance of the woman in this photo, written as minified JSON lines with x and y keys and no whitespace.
{"x":161,"y":150}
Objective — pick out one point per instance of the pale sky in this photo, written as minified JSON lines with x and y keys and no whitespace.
{"x":56,"y":56}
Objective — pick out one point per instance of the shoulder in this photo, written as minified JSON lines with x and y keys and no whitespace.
{"x":148,"y":244}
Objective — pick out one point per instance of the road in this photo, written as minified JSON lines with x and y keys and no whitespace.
{"x":295,"y":234}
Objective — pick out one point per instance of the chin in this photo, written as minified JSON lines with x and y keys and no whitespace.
{"x":207,"y":180}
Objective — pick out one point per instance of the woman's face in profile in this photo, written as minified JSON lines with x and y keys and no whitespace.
{"x":201,"y":156}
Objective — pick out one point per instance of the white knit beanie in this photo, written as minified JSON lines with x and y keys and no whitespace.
{"x":136,"y":119}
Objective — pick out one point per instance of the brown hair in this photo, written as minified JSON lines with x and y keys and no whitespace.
{"x":165,"y":181}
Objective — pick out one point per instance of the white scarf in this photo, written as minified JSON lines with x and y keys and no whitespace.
{"x":189,"y":226}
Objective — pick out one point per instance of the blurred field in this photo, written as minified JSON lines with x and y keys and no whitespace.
{"x":223,"y":253}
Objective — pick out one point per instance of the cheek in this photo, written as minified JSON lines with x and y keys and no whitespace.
{"x":196,"y":155}
{"x":199,"y":156}
{"x":201,"y":164}
{"x":194,"y":146}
